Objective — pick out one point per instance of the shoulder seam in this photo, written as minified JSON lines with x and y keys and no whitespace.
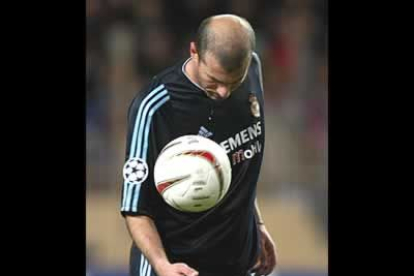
{"x":256,"y":57}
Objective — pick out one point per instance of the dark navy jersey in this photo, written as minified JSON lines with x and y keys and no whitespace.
{"x":224,"y":238}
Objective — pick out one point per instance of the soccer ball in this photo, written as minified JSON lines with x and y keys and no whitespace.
{"x":192,"y":173}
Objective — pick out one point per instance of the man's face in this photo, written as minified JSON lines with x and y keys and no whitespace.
{"x":216,"y":81}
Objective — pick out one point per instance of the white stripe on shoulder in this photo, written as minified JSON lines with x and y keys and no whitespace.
{"x":147,"y":106}
{"x":145,"y":149}
{"x":144,"y":118}
{"x":132,"y":191}
{"x":148,"y":124}
{"x":137,"y":120}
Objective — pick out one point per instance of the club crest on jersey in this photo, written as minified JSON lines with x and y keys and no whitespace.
{"x":254,"y":105}
{"x":135,"y":170}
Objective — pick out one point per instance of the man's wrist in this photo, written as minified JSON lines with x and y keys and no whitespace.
{"x":160,"y":264}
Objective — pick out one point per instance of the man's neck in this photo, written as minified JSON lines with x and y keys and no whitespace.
{"x":189,"y":71}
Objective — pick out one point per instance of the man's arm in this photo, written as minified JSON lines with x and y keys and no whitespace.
{"x":138,"y":206}
{"x":259,"y":218}
{"x":267,"y":257}
{"x":145,"y":235}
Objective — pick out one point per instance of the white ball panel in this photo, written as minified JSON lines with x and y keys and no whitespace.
{"x":201,"y":190}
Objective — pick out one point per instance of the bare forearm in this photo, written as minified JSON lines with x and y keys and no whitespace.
{"x":145,"y":235}
{"x":260,"y":220}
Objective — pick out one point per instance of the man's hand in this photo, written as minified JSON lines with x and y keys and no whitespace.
{"x":175,"y":269}
{"x":145,"y":235}
{"x":267,"y":256}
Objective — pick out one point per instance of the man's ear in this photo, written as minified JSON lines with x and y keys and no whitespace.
{"x":193,"y":51}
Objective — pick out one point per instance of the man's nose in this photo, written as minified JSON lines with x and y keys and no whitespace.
{"x":223,"y":91}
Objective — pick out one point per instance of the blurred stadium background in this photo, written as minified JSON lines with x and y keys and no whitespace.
{"x":128,"y":41}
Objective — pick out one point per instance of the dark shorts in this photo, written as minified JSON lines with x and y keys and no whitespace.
{"x":139,"y":266}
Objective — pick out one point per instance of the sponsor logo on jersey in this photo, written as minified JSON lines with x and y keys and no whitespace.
{"x":244,"y":154}
{"x":204,"y":132}
{"x":247,"y":135}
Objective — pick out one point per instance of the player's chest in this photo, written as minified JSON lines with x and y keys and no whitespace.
{"x":218,"y":119}
{"x":236,"y":124}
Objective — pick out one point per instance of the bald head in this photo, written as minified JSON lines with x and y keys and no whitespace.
{"x":229,"y":38}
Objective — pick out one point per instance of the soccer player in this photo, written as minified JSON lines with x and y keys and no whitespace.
{"x":217,"y":93}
